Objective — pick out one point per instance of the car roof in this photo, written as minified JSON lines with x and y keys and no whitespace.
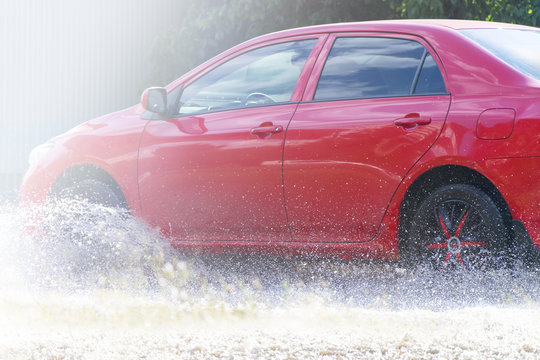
{"x":457,"y":24}
{"x":402,"y":26}
{"x":448,"y":23}
{"x":427,"y":28}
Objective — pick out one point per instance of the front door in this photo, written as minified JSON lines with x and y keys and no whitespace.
{"x":213,"y":172}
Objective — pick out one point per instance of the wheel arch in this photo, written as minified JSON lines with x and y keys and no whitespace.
{"x":78,"y":173}
{"x":436,"y":177}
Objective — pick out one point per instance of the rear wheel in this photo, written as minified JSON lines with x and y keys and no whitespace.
{"x":457,"y":227}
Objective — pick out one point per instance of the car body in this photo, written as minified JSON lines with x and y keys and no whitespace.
{"x":327,"y":141}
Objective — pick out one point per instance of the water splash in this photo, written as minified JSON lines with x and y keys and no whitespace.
{"x":97,"y":274}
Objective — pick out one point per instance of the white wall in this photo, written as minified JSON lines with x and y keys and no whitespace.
{"x":65,"y":61}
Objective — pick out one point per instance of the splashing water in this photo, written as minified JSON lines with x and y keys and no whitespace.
{"x":99,"y":284}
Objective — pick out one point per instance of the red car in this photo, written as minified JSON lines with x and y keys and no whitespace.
{"x":387,"y":139}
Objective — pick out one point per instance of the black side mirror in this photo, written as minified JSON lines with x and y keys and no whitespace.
{"x":154,"y":99}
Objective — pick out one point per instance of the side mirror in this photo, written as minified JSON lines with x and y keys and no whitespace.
{"x":154,"y":99}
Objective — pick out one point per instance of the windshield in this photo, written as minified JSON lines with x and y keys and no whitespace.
{"x":518,"y":48}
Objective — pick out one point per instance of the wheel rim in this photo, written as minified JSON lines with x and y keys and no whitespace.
{"x":456,"y":236}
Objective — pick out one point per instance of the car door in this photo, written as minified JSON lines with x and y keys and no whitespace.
{"x":213,"y":172}
{"x":376,"y":108}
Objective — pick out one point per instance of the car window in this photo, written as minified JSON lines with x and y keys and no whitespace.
{"x":360,"y":67}
{"x":518,"y":48}
{"x":263,"y":76}
{"x":430,"y":80}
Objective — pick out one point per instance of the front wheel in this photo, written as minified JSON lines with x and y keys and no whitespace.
{"x":92,"y":239}
{"x":457,"y":227}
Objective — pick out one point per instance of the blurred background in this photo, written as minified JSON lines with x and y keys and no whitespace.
{"x":63,"y":62}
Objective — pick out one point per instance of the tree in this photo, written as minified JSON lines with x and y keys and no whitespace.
{"x":211,"y":26}
{"x":525,"y":12}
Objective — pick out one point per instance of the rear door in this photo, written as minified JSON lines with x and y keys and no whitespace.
{"x":378,"y":105}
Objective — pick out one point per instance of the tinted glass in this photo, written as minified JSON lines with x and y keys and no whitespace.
{"x":259,"y":77}
{"x":359,"y":67}
{"x":518,"y":48}
{"x":430,"y":80}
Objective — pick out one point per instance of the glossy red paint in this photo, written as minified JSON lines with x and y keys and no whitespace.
{"x":344,"y":159}
{"x":321,"y":178}
{"x":220,"y":184}
{"x":495,"y":124}
{"x":109,"y":143}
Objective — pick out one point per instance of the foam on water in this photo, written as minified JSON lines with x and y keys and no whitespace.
{"x":129,"y":295}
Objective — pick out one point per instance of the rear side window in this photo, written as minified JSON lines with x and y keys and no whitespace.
{"x":366,"y":67}
{"x":430,"y":80}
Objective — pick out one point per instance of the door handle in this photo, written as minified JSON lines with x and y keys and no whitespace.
{"x":263,"y":131}
{"x":410,"y":123}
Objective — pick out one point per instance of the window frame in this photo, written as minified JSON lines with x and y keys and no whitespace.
{"x":221,"y":59}
{"x":313,"y":82}
{"x":414,"y":85}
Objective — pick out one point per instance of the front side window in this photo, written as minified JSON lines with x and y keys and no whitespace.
{"x":263,"y":76}
{"x":366,"y":67}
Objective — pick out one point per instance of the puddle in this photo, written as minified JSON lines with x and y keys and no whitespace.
{"x":107,"y":286}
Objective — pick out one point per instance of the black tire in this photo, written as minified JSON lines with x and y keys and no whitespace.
{"x":88,"y":224}
{"x":94,"y":192}
{"x":457,"y":227}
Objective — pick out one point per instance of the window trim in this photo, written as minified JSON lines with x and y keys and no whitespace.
{"x":313,"y":82}
{"x":418,"y":71}
{"x":228,"y":55}
{"x":295,"y":86}
{"x":375,"y":98}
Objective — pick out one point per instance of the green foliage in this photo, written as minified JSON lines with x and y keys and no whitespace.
{"x":207,"y":27}
{"x":525,"y":12}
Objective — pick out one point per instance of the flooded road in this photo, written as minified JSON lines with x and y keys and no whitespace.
{"x":246,"y":307}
